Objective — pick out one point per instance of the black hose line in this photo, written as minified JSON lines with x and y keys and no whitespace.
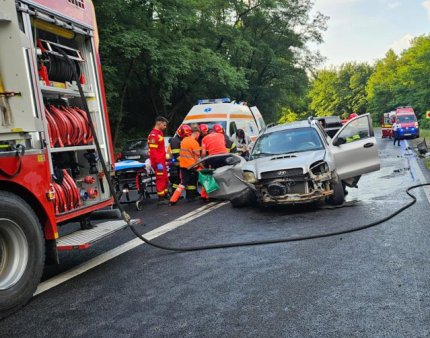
{"x":127,"y":218}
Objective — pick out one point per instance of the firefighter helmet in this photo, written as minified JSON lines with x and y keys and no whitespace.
{"x":179,"y":131}
{"x":184,"y":131}
{"x":217,"y":128}
{"x":204,"y":128}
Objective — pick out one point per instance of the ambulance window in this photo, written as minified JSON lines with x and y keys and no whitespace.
{"x":261,"y":123}
{"x":232,"y":128}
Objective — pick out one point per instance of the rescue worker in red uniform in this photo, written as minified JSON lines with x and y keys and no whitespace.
{"x":215,"y":144}
{"x":157,"y":156}
{"x":204,"y":130}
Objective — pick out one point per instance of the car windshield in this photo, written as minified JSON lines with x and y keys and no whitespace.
{"x":136,"y":145}
{"x":406,"y":119}
{"x":287,"y":141}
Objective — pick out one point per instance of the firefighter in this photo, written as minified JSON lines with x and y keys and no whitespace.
{"x":189,"y":155}
{"x":215,"y":144}
{"x":174,"y":148}
{"x":157,"y":156}
{"x":204,"y":130}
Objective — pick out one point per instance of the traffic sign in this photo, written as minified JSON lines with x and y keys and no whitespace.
{"x":428,"y":114}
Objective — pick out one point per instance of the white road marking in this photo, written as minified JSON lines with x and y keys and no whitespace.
{"x":96,"y":261}
{"x":417,"y":171}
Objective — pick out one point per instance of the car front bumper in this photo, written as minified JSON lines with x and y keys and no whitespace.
{"x":287,"y":199}
{"x":306,"y":189}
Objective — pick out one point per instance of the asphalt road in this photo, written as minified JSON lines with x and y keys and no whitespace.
{"x":373,"y":283}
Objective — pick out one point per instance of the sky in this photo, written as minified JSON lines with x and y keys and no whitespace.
{"x":364,"y":30}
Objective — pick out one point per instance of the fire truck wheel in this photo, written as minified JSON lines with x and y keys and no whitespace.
{"x":22,"y":252}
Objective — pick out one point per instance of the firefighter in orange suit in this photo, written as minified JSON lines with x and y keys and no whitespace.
{"x":189,"y":155}
{"x":157,"y":156}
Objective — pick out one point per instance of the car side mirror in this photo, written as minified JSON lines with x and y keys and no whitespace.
{"x":339,"y":141}
{"x":232,"y":160}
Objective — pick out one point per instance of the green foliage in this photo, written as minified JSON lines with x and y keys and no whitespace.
{"x":160,"y":56}
{"x":402,"y":80}
{"x":340,"y":91}
{"x":288,"y":115}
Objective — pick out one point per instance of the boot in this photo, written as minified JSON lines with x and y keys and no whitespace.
{"x":191,"y":195}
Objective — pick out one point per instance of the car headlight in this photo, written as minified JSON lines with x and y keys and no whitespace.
{"x":249,"y":177}
{"x":320,"y":168}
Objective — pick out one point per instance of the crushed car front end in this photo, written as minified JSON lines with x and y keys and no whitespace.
{"x":283,"y":184}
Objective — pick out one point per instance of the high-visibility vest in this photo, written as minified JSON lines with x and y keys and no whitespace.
{"x":352,"y":138}
{"x":189,"y":152}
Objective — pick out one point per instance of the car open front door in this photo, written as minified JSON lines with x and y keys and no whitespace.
{"x":354,"y":148}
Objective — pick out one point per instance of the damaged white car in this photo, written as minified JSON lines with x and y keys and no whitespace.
{"x":299,"y":163}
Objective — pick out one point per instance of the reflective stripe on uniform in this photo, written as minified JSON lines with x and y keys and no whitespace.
{"x":191,"y":187}
{"x":353,"y":138}
{"x":153,"y":145}
{"x":176,"y":151}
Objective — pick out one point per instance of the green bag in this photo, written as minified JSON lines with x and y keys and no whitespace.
{"x":207,"y":180}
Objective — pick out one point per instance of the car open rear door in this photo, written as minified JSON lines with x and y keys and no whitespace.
{"x":354,"y":148}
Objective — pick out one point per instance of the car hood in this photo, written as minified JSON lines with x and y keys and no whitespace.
{"x":288,"y":161}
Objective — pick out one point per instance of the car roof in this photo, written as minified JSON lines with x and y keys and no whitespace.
{"x":328,"y":118}
{"x":290,"y":125}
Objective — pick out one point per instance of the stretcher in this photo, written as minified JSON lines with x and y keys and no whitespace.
{"x":134,"y":176}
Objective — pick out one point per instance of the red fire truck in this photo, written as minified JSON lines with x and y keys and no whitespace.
{"x":387,"y":120}
{"x":50,"y":172}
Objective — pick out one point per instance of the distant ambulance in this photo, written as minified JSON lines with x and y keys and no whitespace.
{"x":230,"y":114}
{"x":405,"y":116}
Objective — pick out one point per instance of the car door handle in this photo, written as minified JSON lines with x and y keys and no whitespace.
{"x":369,"y":145}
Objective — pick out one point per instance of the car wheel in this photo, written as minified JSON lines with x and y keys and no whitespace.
{"x":245,"y":198}
{"x":338,"y":196}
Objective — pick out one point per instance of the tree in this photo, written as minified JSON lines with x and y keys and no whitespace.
{"x":340,"y":91}
{"x":402,"y":81}
{"x":382,"y":86}
{"x":160,"y":56}
{"x":413,"y":81}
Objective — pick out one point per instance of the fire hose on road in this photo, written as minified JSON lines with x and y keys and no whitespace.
{"x":127,"y":218}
